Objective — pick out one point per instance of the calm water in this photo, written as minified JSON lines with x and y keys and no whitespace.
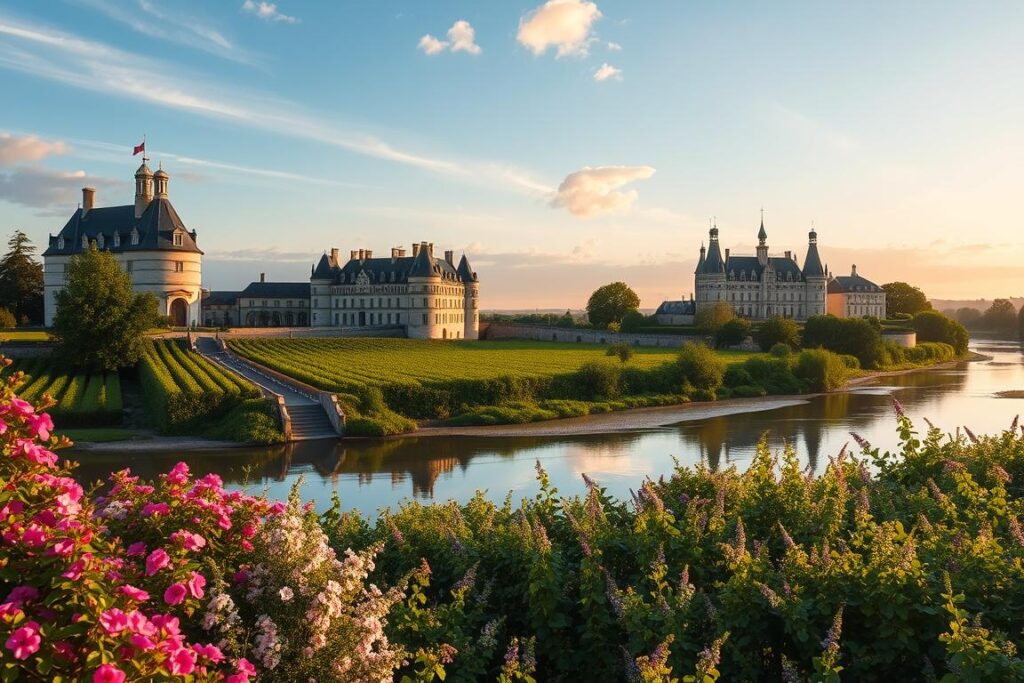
{"x":369,"y":475}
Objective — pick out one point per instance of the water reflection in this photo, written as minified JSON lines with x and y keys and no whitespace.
{"x":371,"y":474}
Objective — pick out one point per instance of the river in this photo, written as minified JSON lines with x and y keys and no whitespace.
{"x":372,"y":474}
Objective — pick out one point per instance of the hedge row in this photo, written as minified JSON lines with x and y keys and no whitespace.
{"x":182,"y":389}
{"x":84,"y":399}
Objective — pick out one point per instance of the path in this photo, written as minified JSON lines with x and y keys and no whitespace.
{"x":309,"y":421}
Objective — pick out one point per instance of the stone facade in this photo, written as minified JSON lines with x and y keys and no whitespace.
{"x":148,"y":239}
{"x":854,"y":296}
{"x":761,"y":286}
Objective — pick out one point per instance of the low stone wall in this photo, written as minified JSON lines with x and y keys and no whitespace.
{"x":493,"y":331}
{"x":905,"y":338}
{"x":22,"y":349}
{"x":237,"y":332}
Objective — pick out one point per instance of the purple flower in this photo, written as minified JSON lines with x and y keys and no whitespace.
{"x":898,"y":407}
{"x":831,"y":642}
{"x":787,"y":540}
{"x":861,"y":441}
{"x":970,"y":434}
{"x":613,"y":594}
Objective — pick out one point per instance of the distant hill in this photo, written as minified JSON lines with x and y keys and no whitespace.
{"x":980,"y":304}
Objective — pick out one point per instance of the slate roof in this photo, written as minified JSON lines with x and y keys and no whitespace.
{"x":812,"y":264}
{"x":156,"y":227}
{"x":276,"y":290}
{"x":851,"y":283}
{"x":676,"y":308}
{"x":737,"y":265}
{"x":713,"y":262}
{"x":221,"y":298}
{"x":392,"y":270}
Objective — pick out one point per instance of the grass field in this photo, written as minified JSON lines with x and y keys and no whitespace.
{"x":84,"y":399}
{"x":24,"y":335}
{"x":336,"y":364}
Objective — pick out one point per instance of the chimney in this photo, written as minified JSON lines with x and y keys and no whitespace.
{"x":449,"y":256}
{"x":415,"y":250}
{"x":789,"y":255}
{"x":430,"y":249}
{"x":354,"y":254}
{"x":368,"y":253}
{"x":263,"y":277}
{"x":334,"y":255}
{"x":88,"y":199}
{"x":362,"y":254}
{"x":726,"y":254}
{"x":853,"y":271}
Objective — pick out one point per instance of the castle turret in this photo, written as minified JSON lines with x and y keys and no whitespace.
{"x":815,"y":276}
{"x":471,"y":315}
{"x":161,"y":180}
{"x":143,"y":188}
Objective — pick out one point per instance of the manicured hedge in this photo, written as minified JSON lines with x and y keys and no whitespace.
{"x":83,"y":399}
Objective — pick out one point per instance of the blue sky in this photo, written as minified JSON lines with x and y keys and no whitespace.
{"x":561,"y":144}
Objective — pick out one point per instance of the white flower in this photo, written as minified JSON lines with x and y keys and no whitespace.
{"x":286,"y":594}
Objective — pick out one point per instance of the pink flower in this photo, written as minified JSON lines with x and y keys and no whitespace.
{"x":175,"y":594}
{"x":22,"y":594}
{"x":3,"y":427}
{"x":18,"y":407}
{"x":34,"y":536}
{"x":114,"y":621}
{"x":178,"y":474}
{"x":157,"y":560}
{"x":63,"y":547}
{"x":142,"y":642}
{"x":74,"y":572}
{"x":249,"y":530}
{"x":33,"y":452}
{"x":108,"y":673}
{"x":139,"y":624}
{"x":247,"y":545}
{"x":24,"y":642}
{"x":181,"y":662}
{"x":211,"y":652}
{"x":137,"y":548}
{"x":150,"y":509}
{"x":276,"y":509}
{"x":41,"y":425}
{"x":188,"y":540}
{"x":134,"y":593}
{"x":243,"y":670}
{"x":196,"y":585}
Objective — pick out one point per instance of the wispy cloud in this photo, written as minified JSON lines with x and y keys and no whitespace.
{"x":268,"y":11}
{"x":82,"y":63}
{"x":148,"y":18}
{"x":607,"y":71}
{"x":593,"y":191}
{"x":42,"y":188}
{"x":15,"y":149}
{"x":812,"y":128}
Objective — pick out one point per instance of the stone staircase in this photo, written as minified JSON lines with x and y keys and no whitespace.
{"x":310,"y":422}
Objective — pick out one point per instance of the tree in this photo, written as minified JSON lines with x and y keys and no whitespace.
{"x":633,"y":321}
{"x":777,"y":330}
{"x":610,"y":303}
{"x":966,"y":316}
{"x":566,"y":320}
{"x":21,"y":280}
{"x":6,"y":319}
{"x":1020,"y":324}
{"x":732,"y":333}
{"x":860,"y":337}
{"x":1000,"y":317}
{"x":711,"y":318}
{"x":100,"y":321}
{"x":903,"y":298}
{"x":932,"y":326}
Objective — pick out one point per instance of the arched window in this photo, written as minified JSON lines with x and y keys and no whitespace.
{"x":135,"y":237}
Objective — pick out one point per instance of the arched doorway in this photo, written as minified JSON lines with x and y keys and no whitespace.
{"x":179,"y":313}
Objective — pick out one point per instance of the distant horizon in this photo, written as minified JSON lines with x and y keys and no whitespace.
{"x":561,"y":144}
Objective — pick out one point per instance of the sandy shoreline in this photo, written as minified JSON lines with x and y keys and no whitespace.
{"x":603,"y":423}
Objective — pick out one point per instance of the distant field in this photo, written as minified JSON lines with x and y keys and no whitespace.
{"x":335,"y":364}
{"x":24,"y":335}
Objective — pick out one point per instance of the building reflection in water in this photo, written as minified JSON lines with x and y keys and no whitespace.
{"x":373,"y":473}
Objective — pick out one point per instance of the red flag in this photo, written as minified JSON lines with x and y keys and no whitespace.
{"x":139,"y":148}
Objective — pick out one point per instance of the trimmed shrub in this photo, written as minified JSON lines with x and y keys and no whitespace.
{"x":598,"y":381}
{"x":733,"y":332}
{"x":775,"y":375}
{"x":780,"y":350}
{"x":777,"y":330}
{"x":622,"y":350}
{"x":701,"y":369}
{"x":860,"y":337}
{"x":932,"y":326}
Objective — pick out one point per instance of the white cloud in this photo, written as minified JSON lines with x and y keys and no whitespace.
{"x":431,"y":45}
{"x":593,"y":191}
{"x":561,"y":24}
{"x":42,"y":188}
{"x":21,"y":148}
{"x":614,"y":47}
{"x":461,"y":38}
{"x":607,"y":71}
{"x":267,"y":11}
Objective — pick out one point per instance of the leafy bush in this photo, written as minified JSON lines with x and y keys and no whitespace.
{"x":820,"y":370}
{"x":932,"y":326}
{"x":7,"y":320}
{"x":860,"y":337}
{"x":712,"y":318}
{"x":780,"y":350}
{"x":733,"y":332}
{"x":622,"y":351}
{"x":632,"y":321}
{"x":777,"y":330}
{"x":598,"y":381}
{"x":774,"y":375}
{"x":701,"y":368}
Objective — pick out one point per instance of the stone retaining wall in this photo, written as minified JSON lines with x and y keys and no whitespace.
{"x":495,"y":331}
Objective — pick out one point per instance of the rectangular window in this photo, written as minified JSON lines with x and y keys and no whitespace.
{"x":177,"y":239}
{"x":179,"y":266}
{"x":424,"y":318}
{"x":127,"y":266}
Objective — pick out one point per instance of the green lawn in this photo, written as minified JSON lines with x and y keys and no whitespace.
{"x":24,"y":335}
{"x":98,"y":435}
{"x":335,"y":362}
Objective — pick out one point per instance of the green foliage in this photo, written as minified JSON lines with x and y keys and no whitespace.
{"x":622,"y":351}
{"x":7,"y":319}
{"x":1020,"y":324}
{"x":932,"y":326}
{"x":710,"y":319}
{"x":701,"y":368}
{"x":633,"y":321}
{"x":100,"y":321}
{"x":83,"y":399}
{"x":1001,"y":317}
{"x":777,"y":330}
{"x":610,"y":303}
{"x":851,"y":336}
{"x":780,"y":350}
{"x":21,"y":282}
{"x":820,"y":370}
{"x":253,"y":420}
{"x":901,"y":297}
{"x":733,"y":332}
{"x":598,"y":381}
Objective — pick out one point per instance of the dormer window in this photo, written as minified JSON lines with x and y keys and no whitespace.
{"x":85,"y":241}
{"x":135,"y":237}
{"x":117,"y":239}
{"x":178,"y":239}
{"x":60,"y":242}
{"x":100,"y":241}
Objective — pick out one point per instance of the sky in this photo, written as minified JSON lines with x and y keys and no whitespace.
{"x":561,"y":144}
